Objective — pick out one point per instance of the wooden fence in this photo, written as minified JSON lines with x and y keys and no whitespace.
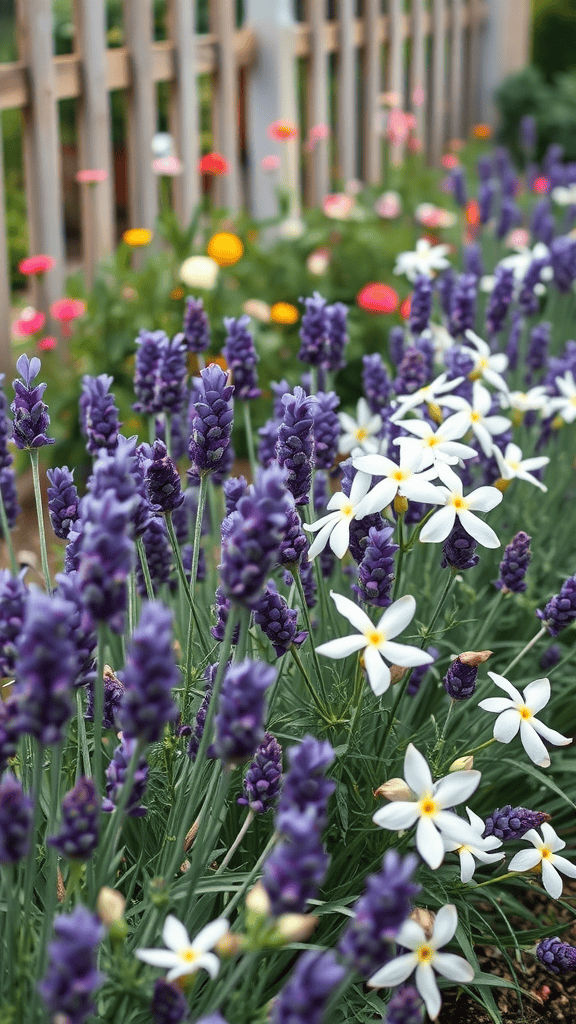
{"x":441,"y":52}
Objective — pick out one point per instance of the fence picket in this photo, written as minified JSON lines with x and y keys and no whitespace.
{"x":418,"y":85}
{"x":141,"y":110}
{"x":456,"y":43}
{"x":372,"y":143}
{"x":226,"y":112}
{"x":318,"y":99}
{"x":347,"y":118}
{"x":395,"y":67}
{"x":184,"y":117}
{"x":438,"y":79}
{"x":474,"y":58}
{"x":5,"y":317}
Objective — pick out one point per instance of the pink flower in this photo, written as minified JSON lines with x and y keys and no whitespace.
{"x":414,"y":144}
{"x":270,"y":163}
{"x":418,"y":96}
{"x":377,"y":298}
{"x":47,"y":343}
{"x":388,"y":205}
{"x":319,"y":131}
{"x":518,"y":238}
{"x":30,"y":322}
{"x":36,"y":265}
{"x":67,"y":310}
{"x":167,"y":166}
{"x":337,"y":206}
{"x":282,"y":131}
{"x":450,"y":160}
{"x":391,"y":99}
{"x":91,"y":176}
{"x":397,"y":127}
{"x":318,"y":262}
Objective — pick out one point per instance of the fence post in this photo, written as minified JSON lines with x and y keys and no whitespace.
{"x":141,"y":109}
{"x":507,"y":46}
{"x":456,"y":38}
{"x":184,"y":119}
{"x":271,"y":96}
{"x":372,"y":142}
{"x":395,"y":69}
{"x":418,"y":85}
{"x":5,"y":318}
{"x":317,"y":86}
{"x":347,"y":105}
{"x":223,"y":23}
{"x":438,"y":80}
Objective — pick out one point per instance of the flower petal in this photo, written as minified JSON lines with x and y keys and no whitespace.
{"x":375,"y":465}
{"x":351,"y":611}
{"x":342,"y":647}
{"x":565,"y":866}
{"x":495,"y":704}
{"x":445,"y":925}
{"x":550,"y":735}
{"x":456,"y":788}
{"x":438,"y":526}
{"x":478,"y":529}
{"x":377,"y":671}
{"x":429,"y":843}
{"x":398,"y":815}
{"x":378,"y":498}
{"x":417,"y":489}
{"x":210,"y":963}
{"x":506,"y":725}
{"x":174,"y":933}
{"x":394,"y":972}
{"x":525,"y":860}
{"x":551,"y":880}
{"x":428,"y":989}
{"x":211,"y":934}
{"x":321,"y":540}
{"x":467,"y":866}
{"x":416,"y":771}
{"x":158,"y":957}
{"x":484,"y":499}
{"x":537,"y":695}
{"x":453,"y":967}
{"x":503,"y":683}
{"x":534,"y":746}
{"x":360,"y":487}
{"x":404,"y":655}
{"x":397,"y":616}
{"x":340,"y":538}
{"x":411,"y":934}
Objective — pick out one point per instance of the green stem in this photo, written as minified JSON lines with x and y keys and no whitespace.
{"x":357,"y":698}
{"x":168,"y":433}
{"x":500,"y":878}
{"x":30,"y":867}
{"x":202,"y":495}
{"x":41,"y":532}
{"x":320,"y":708}
{"x":51,"y":855}
{"x":494,"y":608}
{"x":188,"y":593}
{"x":7,"y":536}
{"x":145,"y":569}
{"x":98,"y":707}
{"x":249,"y":437}
{"x":83,"y":753}
{"x":525,"y":650}
{"x":400,"y":555}
{"x":233,"y":903}
{"x":243,"y":830}
{"x":306,"y":613}
{"x":210,"y":813}
{"x":482,"y":746}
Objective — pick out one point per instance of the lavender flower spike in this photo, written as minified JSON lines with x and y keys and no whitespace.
{"x":149,"y":677}
{"x":376,"y":383}
{"x":326,"y":429}
{"x":15,"y":821}
{"x":514,"y":565}
{"x":278,"y":621}
{"x":305,"y":995}
{"x":98,"y":414}
{"x":314,"y":331}
{"x":376,"y":570}
{"x":561,"y":609}
{"x":337,"y":336}
{"x":241,"y":356}
{"x":460,"y":680}
{"x":295,"y":447}
{"x":458,"y":550}
{"x":263,"y":779}
{"x":107,"y":556}
{"x":116,"y":775}
{"x":296,"y":868}
{"x":196,"y":327}
{"x":509,"y":822}
{"x":163,"y":481}
{"x":146,"y":377}
{"x":559,"y":957}
{"x":238,"y":721}
{"x":212,"y":423}
{"x":306,"y":788}
{"x":31,"y":419}
{"x":172,"y":373}
{"x":405,"y":1007}
{"x":63,"y":500}
{"x":13,"y":597}
{"x":71,"y":976}
{"x":169,"y":1005}
{"x":78,"y":836}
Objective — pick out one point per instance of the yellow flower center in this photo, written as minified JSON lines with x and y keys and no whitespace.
{"x":572,"y":399}
{"x":525,"y":712}
{"x":424,"y":954}
{"x":482,"y":363}
{"x":428,"y":806}
{"x":188,"y":956}
{"x":347,"y":511}
{"x":375,"y":638}
{"x":515,"y":466}
{"x":433,"y":440}
{"x":361,"y":434}
{"x":475,"y":417}
{"x":458,"y":502}
{"x":546,"y":853}
{"x":399,"y":474}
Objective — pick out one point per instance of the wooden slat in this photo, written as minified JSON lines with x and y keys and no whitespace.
{"x":94,"y":125}
{"x":347,"y":119}
{"x":395,"y":65}
{"x":438,"y":79}
{"x":225,"y":103}
{"x":372,"y":146}
{"x":418,"y":67}
{"x":456,"y":51}
{"x":317,"y":86}
{"x":5,"y":325}
{"x":184,"y":118}
{"x":141,"y":115}
{"x":474,"y":61}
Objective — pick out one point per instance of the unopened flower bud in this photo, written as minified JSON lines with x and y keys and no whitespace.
{"x":462,"y":764}
{"x":425,"y":918}
{"x":258,"y":901}
{"x":110,"y":905}
{"x":296,"y":927}
{"x":394,"y":789}
{"x":229,"y":945}
{"x":159,"y":892}
{"x":397,"y":672}
{"x":400,"y":505}
{"x":474,"y":658}
{"x":435,"y":411}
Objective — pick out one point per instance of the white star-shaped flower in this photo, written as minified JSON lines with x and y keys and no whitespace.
{"x":517,"y":712}
{"x":545,"y":854}
{"x":565,"y":404}
{"x":525,"y":401}
{"x":375,"y":640}
{"x":486,"y":364}
{"x":184,"y":955}
{"x":483,"y":499}
{"x":429,"y":808}
{"x":468,"y":851}
{"x":401,"y":478}
{"x":335,"y":527}
{"x":564,"y":195}
{"x":426,"y":259}
{"x":520,"y":262}
{"x":440,"y":445}
{"x":428,"y":395}
{"x":483,"y":425}
{"x":512,"y":465}
{"x":425,"y":959}
{"x":358,"y":433}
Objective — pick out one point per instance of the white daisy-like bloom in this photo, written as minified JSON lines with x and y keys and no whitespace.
{"x":429,"y":808}
{"x":441,"y":339}
{"x":518,"y":712}
{"x":545,"y":853}
{"x":428,"y":395}
{"x":185,"y":955}
{"x":403,"y":478}
{"x":424,"y":957}
{"x":360,"y":432}
{"x":525,"y":401}
{"x":469,"y":853}
{"x":441,"y":445}
{"x":565,"y":404}
{"x":335,"y":527}
{"x":520,"y":261}
{"x":483,"y":425}
{"x":512,"y":465}
{"x":564,"y":195}
{"x":490,"y":366}
{"x":483,"y":499}
{"x":426,"y":259}
{"x":375,"y":640}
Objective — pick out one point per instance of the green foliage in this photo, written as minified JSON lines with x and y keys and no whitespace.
{"x":554,"y":36}
{"x":552,"y":104}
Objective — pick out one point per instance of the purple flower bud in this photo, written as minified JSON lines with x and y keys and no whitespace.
{"x":5,"y":428}
{"x":279,"y":390}
{"x":458,"y":549}
{"x":559,"y":957}
{"x":326,"y":429}
{"x":268,"y":439}
{"x":486,"y":194}
{"x":509,"y":216}
{"x":514,"y":565}
{"x":163,"y":481}
{"x":295,"y":870}
{"x":46,"y":667}
{"x":150,"y":674}
{"x":458,"y":185}
{"x":563,"y":260}
{"x":306,"y":570}
{"x":212,"y":423}
{"x":463,"y":308}
{"x":538,"y":346}
{"x":512,"y":822}
{"x":412,"y":372}
{"x":405,"y":1007}
{"x":169,"y":1005}
{"x":98,"y":414}
{"x":263,"y":779}
{"x":9,"y":733}
{"x":445,"y":285}
{"x":305,"y":995}
{"x":71,"y":976}
{"x":484,"y":168}
{"x":337,"y":337}
{"x":63,"y":500}
{"x":367,"y":941}
{"x":419,"y":673}
{"x":113,"y":697}
{"x":500,"y":299}
{"x":421,"y":304}
{"x":198,"y":730}
{"x":306,"y":788}
{"x":234,"y":488}
{"x":116,"y":773}
{"x":81,"y":628}
{"x":550,"y":657}
{"x":528,"y":134}
{"x":376,"y":571}
{"x":238,"y":721}
{"x":241,"y":356}
{"x":158,"y":551}
{"x":295,"y":446}
{"x":9,"y":496}
{"x":278,"y":621}
{"x":78,"y":836}
{"x":196,"y":327}
{"x":106,"y":557}
{"x":172,"y":373}
{"x":513,"y":343}
{"x":543,"y":225}
{"x":294,"y":542}
{"x":147,"y":376}
{"x":31,"y":417}
{"x":458,"y":363}
{"x":473,"y":262}
{"x":396,"y":345}
{"x":460,"y":680}
{"x":222,"y":606}
{"x":15,"y":820}
{"x":561,"y":609}
{"x":13,"y":597}
{"x":314,"y":331}
{"x":376,"y":383}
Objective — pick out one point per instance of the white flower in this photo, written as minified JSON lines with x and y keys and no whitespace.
{"x":518,"y":712}
{"x":199,"y":272}
{"x":545,"y":854}
{"x":483,"y":426}
{"x":375,"y":640}
{"x":427,"y":395}
{"x":404,"y":479}
{"x":426,"y":259}
{"x":429,"y":808}
{"x":162,"y":144}
{"x":519,"y":262}
{"x":512,"y":465}
{"x":425,"y":958}
{"x":486,"y":365}
{"x":468,"y":851}
{"x":483,"y":499}
{"x":525,"y":401}
{"x":335,"y":527}
{"x":184,"y":955}
{"x":358,"y":433}
{"x":257,"y":309}
{"x":565,"y":405}
{"x":291,"y":228}
{"x":441,"y":339}
{"x":440,"y":445}
{"x":564,"y":196}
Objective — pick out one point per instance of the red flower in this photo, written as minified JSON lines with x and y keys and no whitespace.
{"x":36,"y":265}
{"x":282,"y":131}
{"x":213,"y":163}
{"x":472,"y":213}
{"x":540,"y":185}
{"x":377,"y":298}
{"x":405,"y":307}
{"x":47,"y":343}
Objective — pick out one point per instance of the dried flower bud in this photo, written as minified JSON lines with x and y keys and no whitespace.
{"x":394,"y":789}
{"x":110,"y":906}
{"x":60,"y":887}
{"x":474,"y":658}
{"x":191,"y":835}
{"x":296,"y":927}
{"x":425,"y":918}
{"x":397,"y":672}
{"x":462,"y":764}
{"x":257,"y":900}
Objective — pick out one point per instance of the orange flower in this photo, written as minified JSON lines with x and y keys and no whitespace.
{"x":225,"y":249}
{"x":137,"y":236}
{"x":472,"y":213}
{"x":377,"y":298}
{"x":284,"y":313}
{"x":177,"y":293}
{"x":213,"y":163}
{"x":282,"y":131}
{"x":482,"y":131}
{"x":405,"y":307}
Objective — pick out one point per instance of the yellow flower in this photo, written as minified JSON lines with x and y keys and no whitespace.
{"x":284,"y":313}
{"x":177,"y":293}
{"x":137,"y":236}
{"x":225,"y":249}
